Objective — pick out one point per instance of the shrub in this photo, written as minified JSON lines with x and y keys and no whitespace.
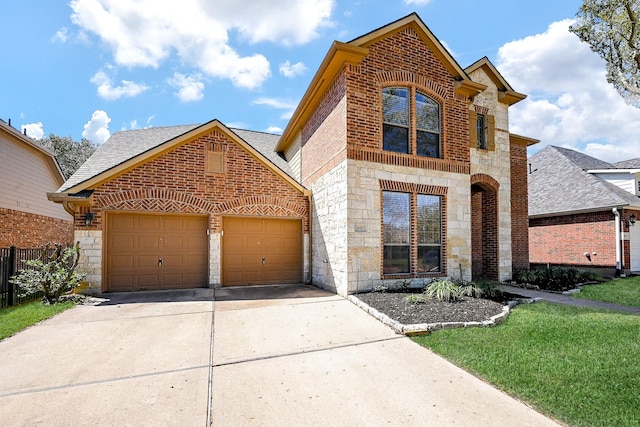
{"x":487,"y":289}
{"x":54,"y":275}
{"x":553,"y":278}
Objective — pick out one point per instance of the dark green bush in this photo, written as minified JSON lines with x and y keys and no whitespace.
{"x":553,"y":278}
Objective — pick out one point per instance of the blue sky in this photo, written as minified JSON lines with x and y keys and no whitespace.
{"x":89,"y":68}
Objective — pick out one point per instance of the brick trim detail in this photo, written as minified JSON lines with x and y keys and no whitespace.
{"x":155,"y":199}
{"x":398,"y":159}
{"x":399,"y":77}
{"x":415,"y":189}
{"x":409,"y":187}
{"x":486,"y":180}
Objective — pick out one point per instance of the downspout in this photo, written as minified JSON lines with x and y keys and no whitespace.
{"x":618,"y":241}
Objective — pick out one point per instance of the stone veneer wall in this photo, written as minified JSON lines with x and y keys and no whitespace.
{"x":90,"y":261}
{"x":497,"y":164}
{"x":365,"y":226}
{"x":329,"y":236}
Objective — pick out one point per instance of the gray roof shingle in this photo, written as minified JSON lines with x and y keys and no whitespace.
{"x":125,"y":145}
{"x":559,"y":183}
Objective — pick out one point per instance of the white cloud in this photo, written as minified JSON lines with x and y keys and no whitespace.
{"x":279,"y":104}
{"x":274,"y":129}
{"x":570,"y":103}
{"x":34,"y":130}
{"x":417,"y":2}
{"x":96,"y":129}
{"x":61,"y":35}
{"x":189,"y":87}
{"x":145,"y":33}
{"x":291,"y":70}
{"x":107,"y":91}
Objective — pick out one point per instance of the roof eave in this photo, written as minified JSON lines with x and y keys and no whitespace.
{"x":583,"y":211}
{"x":339,"y":55}
{"x":522,"y":140}
{"x":170,"y":144}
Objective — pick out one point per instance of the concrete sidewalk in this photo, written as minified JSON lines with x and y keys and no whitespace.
{"x":569,"y":300}
{"x":317,"y":360}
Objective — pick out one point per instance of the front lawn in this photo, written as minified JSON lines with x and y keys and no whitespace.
{"x":15,"y":319}
{"x":577,"y":365}
{"x":619,"y":291}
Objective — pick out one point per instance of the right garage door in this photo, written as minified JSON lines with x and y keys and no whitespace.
{"x":261,"y":251}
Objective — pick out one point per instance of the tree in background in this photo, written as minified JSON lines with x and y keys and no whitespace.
{"x":611,"y":29}
{"x":69,"y":153}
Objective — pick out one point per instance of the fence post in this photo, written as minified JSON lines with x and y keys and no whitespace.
{"x":12,"y":270}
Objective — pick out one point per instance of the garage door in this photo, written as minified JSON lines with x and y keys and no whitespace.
{"x":259,"y":251}
{"x":147,"y":252}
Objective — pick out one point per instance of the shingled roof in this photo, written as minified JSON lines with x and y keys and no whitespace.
{"x":559,"y":183}
{"x":126,"y":145}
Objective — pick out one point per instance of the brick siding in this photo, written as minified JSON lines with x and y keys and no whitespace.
{"x":519,"y":208}
{"x":564,"y":240}
{"x":415,"y":66}
{"x":26,"y":230}
{"x":177,"y":182}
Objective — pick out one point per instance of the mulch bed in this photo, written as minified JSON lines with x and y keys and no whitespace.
{"x":394,"y":305}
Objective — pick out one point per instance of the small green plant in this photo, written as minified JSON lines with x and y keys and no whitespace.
{"x":445,"y":290}
{"x":54,"y":275}
{"x":487,"y":289}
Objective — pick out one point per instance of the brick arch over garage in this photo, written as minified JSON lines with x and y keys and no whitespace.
{"x":155,"y":200}
{"x":485,"y":252}
{"x":261,"y":206}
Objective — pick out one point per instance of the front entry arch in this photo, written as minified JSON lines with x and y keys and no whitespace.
{"x":485,"y":258}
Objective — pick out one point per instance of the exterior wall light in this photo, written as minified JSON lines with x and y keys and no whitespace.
{"x":88,"y":217}
{"x":632,"y":219}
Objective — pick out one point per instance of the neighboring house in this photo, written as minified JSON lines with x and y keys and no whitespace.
{"x":582,"y":211}
{"x":398,"y":164}
{"x":28,"y":172}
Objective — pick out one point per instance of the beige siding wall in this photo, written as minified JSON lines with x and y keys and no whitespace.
{"x":293,"y":156}
{"x":25,"y":178}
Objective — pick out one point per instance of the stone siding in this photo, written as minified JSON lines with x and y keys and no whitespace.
{"x":90,"y":261}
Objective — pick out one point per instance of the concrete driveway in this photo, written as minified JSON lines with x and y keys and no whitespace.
{"x":272,"y":356}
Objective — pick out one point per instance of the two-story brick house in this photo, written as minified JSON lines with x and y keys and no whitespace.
{"x":398,"y":164}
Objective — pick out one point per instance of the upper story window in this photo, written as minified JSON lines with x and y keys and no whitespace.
{"x":481,"y":128}
{"x":399,"y":106}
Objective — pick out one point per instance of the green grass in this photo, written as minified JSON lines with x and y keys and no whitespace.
{"x":15,"y":319}
{"x":577,"y":365}
{"x":619,"y":291}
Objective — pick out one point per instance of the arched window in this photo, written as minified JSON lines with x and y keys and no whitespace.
{"x":399,"y":105}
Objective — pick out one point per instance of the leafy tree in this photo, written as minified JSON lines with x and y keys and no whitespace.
{"x":54,"y":275}
{"x":69,"y":153}
{"x":611,"y":29}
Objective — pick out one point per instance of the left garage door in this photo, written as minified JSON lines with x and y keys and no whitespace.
{"x":147,"y":252}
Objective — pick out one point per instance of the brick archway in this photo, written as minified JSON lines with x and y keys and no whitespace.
{"x":485,"y":248}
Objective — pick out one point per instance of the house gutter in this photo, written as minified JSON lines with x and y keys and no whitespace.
{"x":616,"y":214}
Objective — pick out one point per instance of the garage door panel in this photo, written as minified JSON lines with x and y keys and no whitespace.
{"x":247,"y":240}
{"x":146,"y":242}
{"x":149,"y":223}
{"x":135,"y":243}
